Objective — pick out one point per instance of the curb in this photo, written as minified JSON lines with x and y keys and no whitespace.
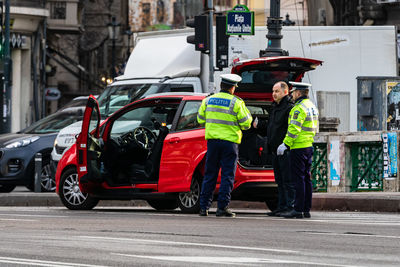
{"x":366,"y":202}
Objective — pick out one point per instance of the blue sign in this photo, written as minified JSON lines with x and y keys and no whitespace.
{"x":240,"y":21}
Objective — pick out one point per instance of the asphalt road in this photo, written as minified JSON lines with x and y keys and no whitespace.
{"x":56,"y":236}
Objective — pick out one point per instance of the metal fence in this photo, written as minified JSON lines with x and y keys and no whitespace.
{"x":319,"y":168}
{"x":367,"y":166}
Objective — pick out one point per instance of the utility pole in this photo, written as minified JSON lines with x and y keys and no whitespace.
{"x":6,"y":105}
{"x":211,"y":45}
{"x":274,"y":36}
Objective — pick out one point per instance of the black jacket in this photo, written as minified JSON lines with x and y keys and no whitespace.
{"x":277,"y":124}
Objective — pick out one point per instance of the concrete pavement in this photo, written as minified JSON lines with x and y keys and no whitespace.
{"x":362,"y":201}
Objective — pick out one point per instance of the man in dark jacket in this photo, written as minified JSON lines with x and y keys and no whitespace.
{"x":276,"y":127}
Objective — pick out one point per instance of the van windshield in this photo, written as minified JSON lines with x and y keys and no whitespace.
{"x":117,"y":96}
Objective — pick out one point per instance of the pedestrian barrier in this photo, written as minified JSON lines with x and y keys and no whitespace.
{"x":367,"y":166}
{"x":319,"y":168}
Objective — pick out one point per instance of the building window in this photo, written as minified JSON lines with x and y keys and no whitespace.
{"x":58,"y":10}
{"x":146,"y":15}
{"x":160,"y":11}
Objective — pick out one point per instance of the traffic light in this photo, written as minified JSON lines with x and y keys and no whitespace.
{"x":222,"y":42}
{"x":201,"y":34}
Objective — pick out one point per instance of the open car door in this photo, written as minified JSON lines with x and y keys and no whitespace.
{"x":88,"y":144}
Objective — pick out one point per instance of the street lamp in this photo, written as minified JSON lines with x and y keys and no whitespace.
{"x":113,"y":33}
{"x":129,"y":33}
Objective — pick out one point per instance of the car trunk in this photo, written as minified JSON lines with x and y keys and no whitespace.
{"x":258,"y":78}
{"x":253,"y":150}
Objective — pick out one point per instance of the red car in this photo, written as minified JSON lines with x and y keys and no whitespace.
{"x":154,"y":149}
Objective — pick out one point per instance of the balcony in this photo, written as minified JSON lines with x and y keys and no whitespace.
{"x":26,"y":14}
{"x":28,"y":3}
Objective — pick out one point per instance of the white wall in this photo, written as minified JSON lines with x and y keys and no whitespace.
{"x":347,"y":52}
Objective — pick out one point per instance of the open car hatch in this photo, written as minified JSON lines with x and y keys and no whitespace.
{"x":259,"y":75}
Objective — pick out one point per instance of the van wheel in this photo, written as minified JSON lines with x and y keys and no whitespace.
{"x":189,"y":202}
{"x":272,"y":203}
{"x":7,"y":188}
{"x":163,"y":204}
{"x":71,"y":195}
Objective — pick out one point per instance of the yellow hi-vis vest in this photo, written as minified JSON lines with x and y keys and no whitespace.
{"x":225,"y":115}
{"x":303,"y":125}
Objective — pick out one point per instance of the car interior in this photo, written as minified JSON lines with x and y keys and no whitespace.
{"x":253,"y":150}
{"x":133,"y":148}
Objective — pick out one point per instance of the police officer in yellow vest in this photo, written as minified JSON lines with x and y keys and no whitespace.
{"x":303,"y":125}
{"x":225,"y":116}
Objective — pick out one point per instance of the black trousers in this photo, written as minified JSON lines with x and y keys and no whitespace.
{"x":222,"y":155}
{"x":283,"y":178}
{"x":300,"y":166}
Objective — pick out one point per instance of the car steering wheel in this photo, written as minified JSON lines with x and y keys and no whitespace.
{"x":144,"y":137}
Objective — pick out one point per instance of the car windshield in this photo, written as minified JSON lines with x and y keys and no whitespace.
{"x":117,"y":96}
{"x":54,"y":122}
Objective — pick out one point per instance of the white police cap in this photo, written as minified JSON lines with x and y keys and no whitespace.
{"x":231,"y":79}
{"x":299,"y":86}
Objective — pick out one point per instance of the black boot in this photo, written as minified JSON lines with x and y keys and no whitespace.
{"x":225,"y":213}
{"x":203,"y":212}
{"x":292,"y":214}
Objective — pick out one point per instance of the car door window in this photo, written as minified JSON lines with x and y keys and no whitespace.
{"x":93,"y":120}
{"x":188,"y":118}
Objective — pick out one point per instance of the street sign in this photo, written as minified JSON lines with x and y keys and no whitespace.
{"x":52,"y":93}
{"x":240,"y":21}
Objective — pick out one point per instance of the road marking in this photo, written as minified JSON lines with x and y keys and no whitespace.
{"x":32,"y":262}
{"x":230,"y":260}
{"x":19,"y":220}
{"x":355,"y":234}
{"x":33,"y":215}
{"x":187,"y":244}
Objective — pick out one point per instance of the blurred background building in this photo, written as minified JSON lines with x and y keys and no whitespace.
{"x":77,"y":46}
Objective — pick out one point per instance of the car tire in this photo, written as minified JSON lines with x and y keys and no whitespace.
{"x":189,"y":202}
{"x":163,"y":204}
{"x":71,"y":195}
{"x":7,"y":188}
{"x":47,"y":182}
{"x":272,"y":203}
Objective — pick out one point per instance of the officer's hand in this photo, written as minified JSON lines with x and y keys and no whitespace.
{"x":281,"y":149}
{"x":255,"y":122}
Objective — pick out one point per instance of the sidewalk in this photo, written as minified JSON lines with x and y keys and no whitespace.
{"x":365,"y":201}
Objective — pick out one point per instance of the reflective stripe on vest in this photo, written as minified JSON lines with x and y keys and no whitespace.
{"x":230,"y":123}
{"x":297,"y":123}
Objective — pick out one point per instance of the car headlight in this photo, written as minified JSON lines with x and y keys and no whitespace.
{"x":23,"y":142}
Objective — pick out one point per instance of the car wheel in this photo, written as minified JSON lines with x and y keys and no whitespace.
{"x":163,"y":204}
{"x":48,"y":184}
{"x":71,"y":195}
{"x":7,"y":188}
{"x":272,"y":203}
{"x":189,"y":202}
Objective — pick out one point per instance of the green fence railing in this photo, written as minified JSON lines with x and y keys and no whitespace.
{"x":367,"y":166}
{"x":319,"y":168}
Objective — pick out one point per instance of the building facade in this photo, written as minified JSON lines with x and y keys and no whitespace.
{"x":27,"y":49}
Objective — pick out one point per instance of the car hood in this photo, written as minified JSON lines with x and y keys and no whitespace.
{"x":8,"y":138}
